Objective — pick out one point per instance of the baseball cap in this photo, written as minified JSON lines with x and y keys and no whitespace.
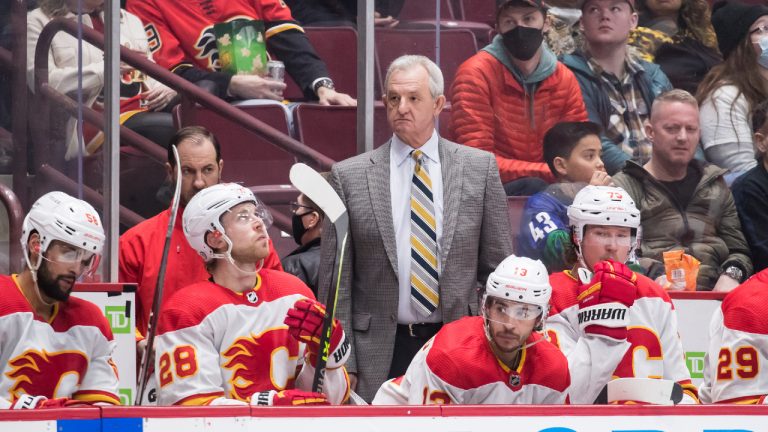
{"x":630,"y":2}
{"x":500,"y":4}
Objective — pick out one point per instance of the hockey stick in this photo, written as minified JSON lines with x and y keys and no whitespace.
{"x":157,"y":298}
{"x":647,"y":390}
{"x":314,"y":186}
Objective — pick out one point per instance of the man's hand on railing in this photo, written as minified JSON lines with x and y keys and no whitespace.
{"x":255,"y":87}
{"x":332,"y":97}
{"x":158,"y":97}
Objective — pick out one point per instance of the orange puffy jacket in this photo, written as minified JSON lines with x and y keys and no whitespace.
{"x":490,"y":110}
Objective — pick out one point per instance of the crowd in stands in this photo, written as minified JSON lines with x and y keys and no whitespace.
{"x":637,"y":128}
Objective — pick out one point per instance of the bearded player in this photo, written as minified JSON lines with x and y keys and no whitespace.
{"x":55,"y":351}
{"x":498,"y":358}
{"x":249,"y":334}
{"x":609,"y":321}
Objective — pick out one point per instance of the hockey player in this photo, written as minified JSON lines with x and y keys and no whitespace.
{"x":738,"y":351}
{"x":609,"y":321}
{"x":498,"y":358}
{"x":249,"y":334}
{"x":55,"y":351}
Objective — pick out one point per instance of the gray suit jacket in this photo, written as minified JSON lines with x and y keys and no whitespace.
{"x":475,"y":240}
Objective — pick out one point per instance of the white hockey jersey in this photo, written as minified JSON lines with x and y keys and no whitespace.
{"x":68,"y":356}
{"x":215,"y":343}
{"x":738,"y":346}
{"x":457,"y":366}
{"x":652,"y":350}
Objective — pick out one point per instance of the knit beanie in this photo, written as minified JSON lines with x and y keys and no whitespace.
{"x":731,"y":21}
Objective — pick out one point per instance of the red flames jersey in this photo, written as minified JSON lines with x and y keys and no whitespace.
{"x":70,"y":356}
{"x":652,"y":350}
{"x":181,"y":32}
{"x":141,"y":248}
{"x":215,"y":343}
{"x":457,"y":366}
{"x":734,"y":366}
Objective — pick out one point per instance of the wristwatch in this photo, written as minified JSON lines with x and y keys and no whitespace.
{"x":325,"y":82}
{"x":734,"y":272}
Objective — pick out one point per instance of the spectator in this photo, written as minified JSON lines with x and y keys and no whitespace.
{"x":737,"y":348}
{"x":509,"y":94}
{"x":605,"y":225}
{"x":307,"y":224}
{"x":572,"y":151}
{"x":731,"y":90}
{"x":458,"y":226}
{"x":499,"y":358}
{"x":49,"y":337}
{"x":323,"y":13}
{"x":182,"y":39}
{"x":750,"y":192}
{"x":685,"y":203}
{"x":224,"y":334}
{"x":151,"y":121}
{"x":618,"y":90}
{"x":141,"y":246}
{"x":687,"y":47}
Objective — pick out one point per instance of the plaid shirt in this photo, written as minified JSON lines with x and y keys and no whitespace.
{"x":628,"y":111}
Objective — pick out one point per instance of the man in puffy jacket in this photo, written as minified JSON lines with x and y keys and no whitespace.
{"x":508,"y":95}
{"x":685,"y":203}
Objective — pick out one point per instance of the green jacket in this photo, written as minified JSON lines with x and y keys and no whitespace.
{"x":709,"y":228}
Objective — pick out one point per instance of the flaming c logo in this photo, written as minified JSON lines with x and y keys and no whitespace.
{"x":260,"y":362}
{"x":40,"y":372}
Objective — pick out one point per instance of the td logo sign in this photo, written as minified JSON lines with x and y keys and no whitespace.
{"x":118,"y":319}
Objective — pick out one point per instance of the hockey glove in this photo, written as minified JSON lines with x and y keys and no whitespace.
{"x":288,"y":398}
{"x":605,"y":300}
{"x":31,"y":402}
{"x":305,"y":323}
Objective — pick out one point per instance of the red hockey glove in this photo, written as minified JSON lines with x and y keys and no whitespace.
{"x":31,"y":402}
{"x":305,"y":322}
{"x":288,"y":398}
{"x":604,"y":302}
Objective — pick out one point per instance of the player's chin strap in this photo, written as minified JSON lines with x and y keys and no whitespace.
{"x":33,"y":270}
{"x":228,"y":256}
{"x":521,"y":347}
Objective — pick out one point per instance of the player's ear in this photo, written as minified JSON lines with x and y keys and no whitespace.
{"x":33,"y":243}
{"x":214,"y":239}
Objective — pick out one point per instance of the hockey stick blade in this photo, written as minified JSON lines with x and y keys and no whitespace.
{"x":314,"y":186}
{"x":154,"y":313}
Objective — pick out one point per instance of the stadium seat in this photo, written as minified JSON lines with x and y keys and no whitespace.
{"x":425,"y":9}
{"x":337,"y":46}
{"x":482,"y":11}
{"x":515,"y":206}
{"x":332,"y":130}
{"x":457,"y":45}
{"x":248,"y":158}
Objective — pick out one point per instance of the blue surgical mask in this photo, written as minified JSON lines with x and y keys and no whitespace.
{"x":763,"y":58}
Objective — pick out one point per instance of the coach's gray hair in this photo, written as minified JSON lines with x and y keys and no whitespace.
{"x":407,"y":62}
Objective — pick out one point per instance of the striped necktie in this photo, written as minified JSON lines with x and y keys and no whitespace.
{"x":424,"y":290}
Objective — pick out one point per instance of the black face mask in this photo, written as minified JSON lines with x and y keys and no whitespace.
{"x":297,"y":227}
{"x":522,"y":42}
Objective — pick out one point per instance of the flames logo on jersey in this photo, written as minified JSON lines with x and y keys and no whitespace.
{"x":206,"y":49}
{"x":40,"y":372}
{"x":262,"y":362}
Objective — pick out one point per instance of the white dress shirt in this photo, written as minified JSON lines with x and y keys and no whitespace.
{"x":401,"y":166}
